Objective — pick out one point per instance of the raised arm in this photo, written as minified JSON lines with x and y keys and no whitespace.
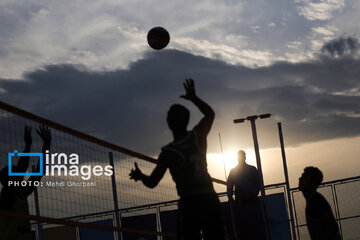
{"x":154,"y":178}
{"x":23,"y":162}
{"x":45,"y":134}
{"x":204,"y":126}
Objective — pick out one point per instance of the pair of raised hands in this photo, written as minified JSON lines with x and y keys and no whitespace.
{"x":43,"y":131}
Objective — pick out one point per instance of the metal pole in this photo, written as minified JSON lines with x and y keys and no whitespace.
{"x":158,"y":222}
{"x":37,"y":211}
{"x":258,"y":163}
{"x":333,"y":189}
{"x":116,"y":206}
{"x":297,"y":224}
{"x":222,"y":153}
{"x":287,"y":181}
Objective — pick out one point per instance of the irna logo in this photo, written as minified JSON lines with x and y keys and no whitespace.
{"x":16,"y":153}
{"x":60,"y":164}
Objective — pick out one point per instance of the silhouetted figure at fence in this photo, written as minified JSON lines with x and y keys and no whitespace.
{"x":186,"y":159}
{"x":248,"y":217}
{"x":320,"y":220}
{"x":14,"y":198}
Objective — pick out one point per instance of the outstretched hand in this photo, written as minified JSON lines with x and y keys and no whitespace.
{"x":189,"y":86}
{"x":27,"y":136}
{"x":135,"y":173}
{"x":45,"y":133}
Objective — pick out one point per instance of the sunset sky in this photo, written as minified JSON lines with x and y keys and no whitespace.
{"x":87,"y":65}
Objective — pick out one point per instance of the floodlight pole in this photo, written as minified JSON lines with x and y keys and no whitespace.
{"x":257,"y":152}
{"x":258,"y":163}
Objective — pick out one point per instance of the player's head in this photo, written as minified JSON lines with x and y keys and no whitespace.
{"x":241,"y":156}
{"x":5,"y":178}
{"x":178,"y":117}
{"x":310,"y":179}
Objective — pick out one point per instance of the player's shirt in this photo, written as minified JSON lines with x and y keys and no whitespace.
{"x":246,"y":180}
{"x":188,"y":167}
{"x":16,"y":228}
{"x":320,"y":220}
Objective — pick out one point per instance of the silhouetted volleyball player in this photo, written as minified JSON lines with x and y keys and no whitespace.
{"x":320,"y":220}
{"x":248,"y":214}
{"x":186,"y":159}
{"x":14,"y":198}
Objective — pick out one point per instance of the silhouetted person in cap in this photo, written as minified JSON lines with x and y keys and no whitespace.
{"x":186,"y":159}
{"x":14,"y":198}
{"x":249,"y":221}
{"x":320,"y":220}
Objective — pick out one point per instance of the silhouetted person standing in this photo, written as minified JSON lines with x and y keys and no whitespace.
{"x":248,"y":216}
{"x":14,"y":198}
{"x":320,"y":220}
{"x":186,"y":159}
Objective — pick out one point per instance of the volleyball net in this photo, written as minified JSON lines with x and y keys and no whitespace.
{"x":78,"y":188}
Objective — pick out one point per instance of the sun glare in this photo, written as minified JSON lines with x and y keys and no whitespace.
{"x":216,"y":162}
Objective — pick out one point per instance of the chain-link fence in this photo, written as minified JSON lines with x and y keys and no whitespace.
{"x":343,"y":196}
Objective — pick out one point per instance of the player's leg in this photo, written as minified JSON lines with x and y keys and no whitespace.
{"x":191,"y":229}
{"x":213,"y":227}
{"x":190,"y":225}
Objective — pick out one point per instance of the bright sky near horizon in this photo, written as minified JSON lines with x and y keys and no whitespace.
{"x":86,"y":64}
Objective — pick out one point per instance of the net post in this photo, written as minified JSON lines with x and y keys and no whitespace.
{"x":37,"y":211}
{"x":116,"y":206}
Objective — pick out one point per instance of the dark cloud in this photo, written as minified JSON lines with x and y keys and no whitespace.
{"x":129,"y":107}
{"x":342,"y":46}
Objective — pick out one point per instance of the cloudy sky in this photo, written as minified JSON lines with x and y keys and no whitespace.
{"x":86,"y":64}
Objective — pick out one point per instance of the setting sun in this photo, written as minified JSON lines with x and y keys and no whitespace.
{"x":216,"y":162}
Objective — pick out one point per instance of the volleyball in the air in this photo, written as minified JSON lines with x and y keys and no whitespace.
{"x":158,"y":38}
